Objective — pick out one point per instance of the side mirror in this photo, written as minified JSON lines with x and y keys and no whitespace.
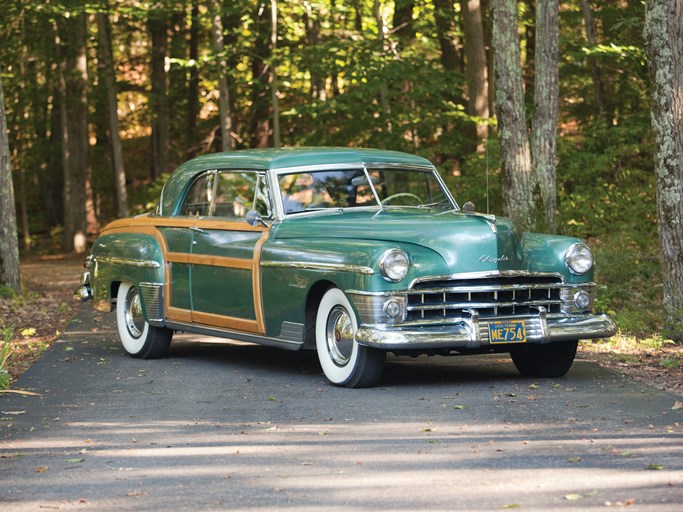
{"x":469,"y":207}
{"x":254,"y":218}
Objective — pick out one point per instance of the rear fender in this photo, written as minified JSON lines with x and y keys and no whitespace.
{"x":124,"y":257}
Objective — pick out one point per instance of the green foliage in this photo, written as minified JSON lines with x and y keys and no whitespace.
{"x":5,"y":353}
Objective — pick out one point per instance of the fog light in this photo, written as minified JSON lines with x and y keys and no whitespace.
{"x":392,"y":308}
{"x":582,"y":299}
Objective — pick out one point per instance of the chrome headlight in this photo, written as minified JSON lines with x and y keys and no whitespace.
{"x":394,"y":265}
{"x":579,"y":258}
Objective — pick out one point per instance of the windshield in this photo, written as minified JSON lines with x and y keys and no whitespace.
{"x":317,"y":190}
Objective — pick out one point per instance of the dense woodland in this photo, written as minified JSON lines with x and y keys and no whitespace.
{"x":103,"y":99}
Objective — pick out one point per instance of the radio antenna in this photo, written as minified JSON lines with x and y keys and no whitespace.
{"x":486,"y":157}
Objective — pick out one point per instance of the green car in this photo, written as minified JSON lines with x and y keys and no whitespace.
{"x":351,"y":252}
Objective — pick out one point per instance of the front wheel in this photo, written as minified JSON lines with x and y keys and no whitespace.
{"x":139,"y":339}
{"x":343,"y":360}
{"x":551,"y":360}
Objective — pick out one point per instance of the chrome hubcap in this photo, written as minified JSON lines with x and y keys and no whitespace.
{"x":135,"y":322}
{"x":340,"y":336}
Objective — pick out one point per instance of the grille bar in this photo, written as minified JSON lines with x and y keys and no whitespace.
{"x":489,"y":297}
{"x":479,"y":305}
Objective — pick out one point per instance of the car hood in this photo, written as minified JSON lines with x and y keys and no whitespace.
{"x":467,"y":242}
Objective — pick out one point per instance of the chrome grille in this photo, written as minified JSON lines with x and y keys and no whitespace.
{"x":490,"y":297}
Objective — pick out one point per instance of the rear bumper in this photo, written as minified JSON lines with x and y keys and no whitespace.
{"x":473,"y":333}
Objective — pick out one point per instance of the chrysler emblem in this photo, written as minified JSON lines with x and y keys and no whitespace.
{"x":485,"y":258}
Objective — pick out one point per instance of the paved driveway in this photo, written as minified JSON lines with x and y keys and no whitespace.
{"x":241,"y":427}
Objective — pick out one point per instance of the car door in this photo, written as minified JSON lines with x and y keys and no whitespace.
{"x":224,"y":261}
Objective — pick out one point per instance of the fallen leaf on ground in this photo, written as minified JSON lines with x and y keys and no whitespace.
{"x":572,"y":497}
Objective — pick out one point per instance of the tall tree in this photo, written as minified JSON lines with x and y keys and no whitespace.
{"x":273,"y":74}
{"x":664,"y":44}
{"x":515,"y":153}
{"x":544,"y":123}
{"x":259,"y":125}
{"x":224,"y":114}
{"x":74,"y":126}
{"x":158,"y":29}
{"x":596,"y":73}
{"x":476,"y":69}
{"x":193,"y":80}
{"x":105,"y":54}
{"x":9,"y":245}
{"x":444,"y":16}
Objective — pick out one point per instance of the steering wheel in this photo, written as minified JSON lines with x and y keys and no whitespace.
{"x":400,"y":194}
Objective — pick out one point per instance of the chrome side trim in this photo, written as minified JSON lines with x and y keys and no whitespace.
{"x":334,"y":267}
{"x":239,"y":336}
{"x":291,"y":332}
{"x":127,"y":261}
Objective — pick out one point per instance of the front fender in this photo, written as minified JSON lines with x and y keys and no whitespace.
{"x":291,"y":269}
{"x":545,"y":253}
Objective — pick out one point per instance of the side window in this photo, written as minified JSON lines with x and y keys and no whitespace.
{"x":238,"y":192}
{"x":198,"y":200}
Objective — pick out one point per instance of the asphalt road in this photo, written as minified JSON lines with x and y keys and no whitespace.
{"x":242,"y":427}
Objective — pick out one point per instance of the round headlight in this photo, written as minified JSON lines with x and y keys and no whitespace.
{"x":579,"y":259}
{"x":393,"y":265}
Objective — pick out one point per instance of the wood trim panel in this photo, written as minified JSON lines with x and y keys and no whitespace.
{"x":256,"y":282}
{"x":178,"y":314}
{"x":227,"y":322}
{"x":220,"y":261}
{"x":149,"y":226}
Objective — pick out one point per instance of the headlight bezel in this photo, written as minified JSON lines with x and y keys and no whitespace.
{"x":390,"y":266}
{"x":579,"y":259}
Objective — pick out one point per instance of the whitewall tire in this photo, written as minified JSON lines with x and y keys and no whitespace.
{"x":139,"y":339}
{"x":343,"y":360}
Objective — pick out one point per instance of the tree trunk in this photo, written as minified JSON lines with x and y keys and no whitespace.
{"x":9,"y":245}
{"x":514,"y":141}
{"x":259,"y":125}
{"x":193,"y":82}
{"x":224,"y":113}
{"x":74,"y":120}
{"x":105,"y":53}
{"x":476,"y":70}
{"x":403,"y":21}
{"x":445,"y":29}
{"x":273,"y":74}
{"x":544,"y":123}
{"x":23,"y":133}
{"x":383,"y":88}
{"x":596,"y":74}
{"x":664,"y":45}
{"x":158,"y":29}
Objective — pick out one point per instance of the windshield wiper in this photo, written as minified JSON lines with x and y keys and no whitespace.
{"x":437,"y":203}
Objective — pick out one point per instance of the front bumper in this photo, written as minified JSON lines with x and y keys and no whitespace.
{"x":473,"y":333}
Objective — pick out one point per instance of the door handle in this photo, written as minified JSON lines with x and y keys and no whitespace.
{"x":197,"y":230}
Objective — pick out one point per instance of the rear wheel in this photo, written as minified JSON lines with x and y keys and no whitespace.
{"x":551,"y":360}
{"x":343,"y":360}
{"x":139,"y":339}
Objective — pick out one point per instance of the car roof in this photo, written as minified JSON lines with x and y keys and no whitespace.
{"x":280,"y":159}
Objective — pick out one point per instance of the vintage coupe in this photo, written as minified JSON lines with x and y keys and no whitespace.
{"x":351,"y":252}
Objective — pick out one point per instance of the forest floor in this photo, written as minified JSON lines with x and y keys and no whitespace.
{"x":41,"y":315}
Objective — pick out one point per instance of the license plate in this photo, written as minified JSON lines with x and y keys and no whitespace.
{"x":507,"y":331}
